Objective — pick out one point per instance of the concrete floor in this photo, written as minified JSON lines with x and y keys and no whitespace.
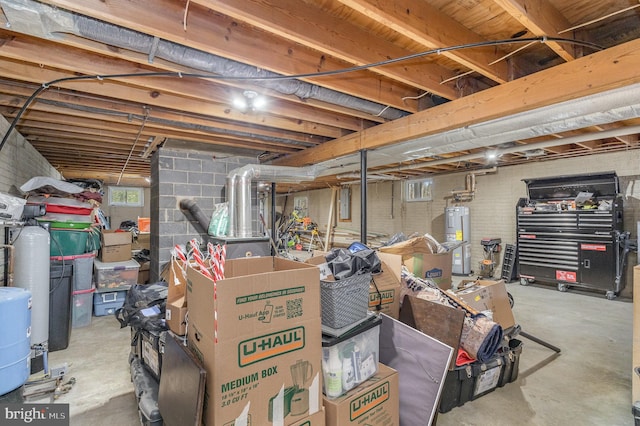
{"x":589,"y":383}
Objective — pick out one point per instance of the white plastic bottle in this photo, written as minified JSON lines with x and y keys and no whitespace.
{"x":333,"y":376}
{"x":348,"y":373}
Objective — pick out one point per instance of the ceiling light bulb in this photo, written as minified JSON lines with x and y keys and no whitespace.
{"x":240,"y":103}
{"x":259,"y":102}
{"x":491,"y":156}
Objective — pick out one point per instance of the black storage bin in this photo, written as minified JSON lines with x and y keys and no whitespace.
{"x":511,"y":362}
{"x":60,"y":304}
{"x":469,"y":382}
{"x":146,"y":391}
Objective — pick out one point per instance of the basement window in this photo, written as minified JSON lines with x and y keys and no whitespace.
{"x":126,"y":196}
{"x":418,"y":190}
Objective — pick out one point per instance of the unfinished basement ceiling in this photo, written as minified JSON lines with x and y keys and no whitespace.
{"x":327,"y":73}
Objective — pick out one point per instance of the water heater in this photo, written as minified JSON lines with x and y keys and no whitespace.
{"x":457,"y":229}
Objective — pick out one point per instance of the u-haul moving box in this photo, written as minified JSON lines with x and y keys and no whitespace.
{"x":375,"y":402}
{"x":257,"y":333}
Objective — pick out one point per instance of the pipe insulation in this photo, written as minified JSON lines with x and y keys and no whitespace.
{"x":44,"y":21}
{"x":622,"y":131}
{"x":598,"y":109}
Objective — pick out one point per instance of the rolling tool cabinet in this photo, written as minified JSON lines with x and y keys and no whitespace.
{"x":570,"y":232}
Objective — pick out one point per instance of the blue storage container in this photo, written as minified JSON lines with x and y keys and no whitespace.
{"x":107,"y":303}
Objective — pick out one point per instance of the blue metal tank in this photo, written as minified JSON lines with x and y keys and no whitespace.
{"x":15,"y":331}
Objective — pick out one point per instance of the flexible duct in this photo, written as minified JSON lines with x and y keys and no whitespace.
{"x":44,"y":21}
{"x":239,"y":191}
{"x":196,"y":214}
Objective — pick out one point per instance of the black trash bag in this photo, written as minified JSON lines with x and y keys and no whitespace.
{"x":344,"y":264}
{"x":127,"y":224}
{"x":144,"y":307}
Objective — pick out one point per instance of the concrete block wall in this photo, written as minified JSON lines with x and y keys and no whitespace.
{"x":19,"y":162}
{"x":178,"y":175}
{"x":492,"y":210}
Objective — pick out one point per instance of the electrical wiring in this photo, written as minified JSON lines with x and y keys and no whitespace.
{"x":437,"y":51}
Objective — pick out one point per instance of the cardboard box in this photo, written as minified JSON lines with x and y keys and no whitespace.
{"x":253,"y":332}
{"x":143,"y":273}
{"x":435,"y":266}
{"x":635,"y":381}
{"x":142,"y":241}
{"x":115,"y":246}
{"x":316,"y":419}
{"x":176,"y":308}
{"x":417,"y":255}
{"x":385,"y":287}
{"x":375,"y":402}
{"x":483,"y":295}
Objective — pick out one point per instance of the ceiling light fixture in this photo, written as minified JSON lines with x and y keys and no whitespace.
{"x":249,"y":101}
{"x":492,"y":156}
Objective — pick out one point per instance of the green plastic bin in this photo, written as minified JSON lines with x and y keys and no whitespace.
{"x":70,"y":242}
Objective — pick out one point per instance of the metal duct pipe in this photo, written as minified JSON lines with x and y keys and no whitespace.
{"x":231,"y":200}
{"x":243,"y":194}
{"x":239,"y":190}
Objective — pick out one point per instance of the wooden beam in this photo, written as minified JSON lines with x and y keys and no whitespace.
{"x":433,"y":29}
{"x":75,"y":126}
{"x":311,"y":26}
{"x":541,"y":18}
{"x":222,"y":36}
{"x":119,"y":112}
{"x":75,"y":61}
{"x":609,"y":69}
{"x":152,"y":98}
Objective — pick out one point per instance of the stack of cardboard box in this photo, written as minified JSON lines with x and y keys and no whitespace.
{"x":369,"y":391}
{"x":257,"y":334}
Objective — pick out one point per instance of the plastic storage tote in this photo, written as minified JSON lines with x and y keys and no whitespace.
{"x":82,"y":269}
{"x":82,"y":308}
{"x":350,"y":359}
{"x":110,"y":276}
{"x":107,"y":303}
{"x":468,"y":382}
{"x":70,"y":242}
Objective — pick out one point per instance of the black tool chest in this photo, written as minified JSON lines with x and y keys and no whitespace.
{"x":570,"y":232}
